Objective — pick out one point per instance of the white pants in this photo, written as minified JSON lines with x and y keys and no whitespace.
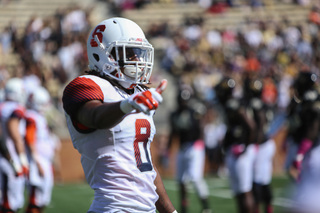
{"x":263,"y":162}
{"x":43,"y":184}
{"x":241,"y":169}
{"x":11,"y":185}
{"x":190,"y":166}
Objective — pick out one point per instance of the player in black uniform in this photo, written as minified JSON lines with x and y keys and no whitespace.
{"x":303,"y":118}
{"x":238,"y":145}
{"x":265,"y":145}
{"x":305,"y":128}
{"x":186,"y":126}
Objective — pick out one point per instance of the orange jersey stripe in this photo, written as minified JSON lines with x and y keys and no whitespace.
{"x":30,"y":131}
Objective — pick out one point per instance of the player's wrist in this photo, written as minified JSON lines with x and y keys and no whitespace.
{"x":24,"y":159}
{"x":298,"y":161}
{"x":16,"y":167}
{"x":35,"y":157}
{"x":299,"y":157}
{"x":125,"y":106}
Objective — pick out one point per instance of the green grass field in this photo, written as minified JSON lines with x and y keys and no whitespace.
{"x":76,"y":198}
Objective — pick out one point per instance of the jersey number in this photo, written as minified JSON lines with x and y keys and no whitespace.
{"x":143,"y":130}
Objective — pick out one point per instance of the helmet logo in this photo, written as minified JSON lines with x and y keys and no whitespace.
{"x":97,"y":32}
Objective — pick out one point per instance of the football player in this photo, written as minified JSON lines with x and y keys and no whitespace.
{"x":305,"y":195}
{"x":302,"y":120}
{"x":109,"y":114}
{"x":14,"y":166}
{"x":265,"y":145}
{"x":306,"y":162}
{"x":40,"y":149}
{"x":186,"y":128}
{"x":238,"y":145}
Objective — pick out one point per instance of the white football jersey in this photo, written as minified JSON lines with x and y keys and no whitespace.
{"x":45,"y":146}
{"x":38,"y":134}
{"x":7,"y":110}
{"x":117,"y":161}
{"x":14,"y":190}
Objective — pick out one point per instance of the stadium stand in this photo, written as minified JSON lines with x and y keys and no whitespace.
{"x":19,"y":12}
{"x":175,"y":14}
{"x":157,"y":12}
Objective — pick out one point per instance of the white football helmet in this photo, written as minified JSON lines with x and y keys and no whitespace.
{"x":118,"y":48}
{"x":39,"y":99}
{"x":15,"y":91}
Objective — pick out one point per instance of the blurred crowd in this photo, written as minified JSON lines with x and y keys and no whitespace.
{"x":51,"y":51}
{"x":266,"y":54}
{"x":117,"y":6}
{"x":274,"y":50}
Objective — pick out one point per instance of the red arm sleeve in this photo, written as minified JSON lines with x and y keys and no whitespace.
{"x":78,"y":92}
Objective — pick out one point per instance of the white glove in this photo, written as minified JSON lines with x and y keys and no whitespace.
{"x":22,"y":167}
{"x":16,"y":167}
{"x":144,"y":101}
{"x":24,"y":163}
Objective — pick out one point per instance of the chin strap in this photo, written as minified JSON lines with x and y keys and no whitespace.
{"x":127,"y":85}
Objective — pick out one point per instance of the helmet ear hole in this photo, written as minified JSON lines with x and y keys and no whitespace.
{"x":96,"y":56}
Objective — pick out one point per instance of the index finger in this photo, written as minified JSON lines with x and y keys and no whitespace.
{"x":162,"y":86}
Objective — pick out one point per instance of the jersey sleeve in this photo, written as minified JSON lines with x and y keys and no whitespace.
{"x":19,"y":113}
{"x":30,"y":136}
{"x":78,"y":92}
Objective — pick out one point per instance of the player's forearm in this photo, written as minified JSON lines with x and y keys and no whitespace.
{"x":163,"y":204}
{"x":33,"y":152}
{"x":13,"y":129}
{"x":95,"y":114}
